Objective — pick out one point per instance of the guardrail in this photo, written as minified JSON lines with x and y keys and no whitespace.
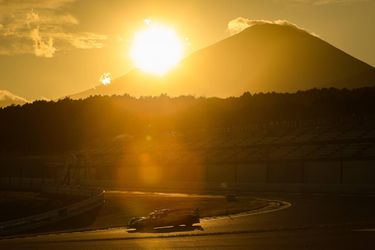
{"x":95,"y":199}
{"x":233,"y":187}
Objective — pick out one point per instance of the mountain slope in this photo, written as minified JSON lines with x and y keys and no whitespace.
{"x":7,"y":98}
{"x":265,"y":57}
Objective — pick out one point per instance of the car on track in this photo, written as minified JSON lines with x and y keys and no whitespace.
{"x":166,"y":217}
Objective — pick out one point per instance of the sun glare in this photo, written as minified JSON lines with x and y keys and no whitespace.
{"x":156,"y":49}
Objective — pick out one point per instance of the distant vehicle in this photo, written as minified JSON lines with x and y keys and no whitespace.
{"x":166,"y":217}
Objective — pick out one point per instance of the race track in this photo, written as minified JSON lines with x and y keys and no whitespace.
{"x":313,"y":221}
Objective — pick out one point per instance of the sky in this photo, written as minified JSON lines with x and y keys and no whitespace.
{"x":53,"y":48}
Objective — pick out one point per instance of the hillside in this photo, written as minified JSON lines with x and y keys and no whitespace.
{"x":7,"y":98}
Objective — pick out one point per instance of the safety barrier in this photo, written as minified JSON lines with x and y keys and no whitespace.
{"x":95,"y":199}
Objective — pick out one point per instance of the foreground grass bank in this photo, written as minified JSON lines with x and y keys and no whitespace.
{"x":19,"y":204}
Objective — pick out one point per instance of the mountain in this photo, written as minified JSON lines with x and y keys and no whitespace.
{"x":7,"y":98}
{"x":262,"y":58}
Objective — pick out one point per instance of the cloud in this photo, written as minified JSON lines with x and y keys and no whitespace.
{"x":241,"y":23}
{"x":32,"y":17}
{"x":106,"y":78}
{"x":43,"y":48}
{"x":7,"y":98}
{"x":83,"y":40}
{"x":41,"y":28}
{"x":12,"y":5}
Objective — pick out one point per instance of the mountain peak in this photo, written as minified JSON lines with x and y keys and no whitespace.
{"x":266,"y":56}
{"x":245,"y":25}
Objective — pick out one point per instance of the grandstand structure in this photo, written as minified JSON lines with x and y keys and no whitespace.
{"x":339,"y":152}
{"x":317,"y":153}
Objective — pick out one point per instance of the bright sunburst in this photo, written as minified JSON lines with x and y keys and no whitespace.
{"x":156,"y":49}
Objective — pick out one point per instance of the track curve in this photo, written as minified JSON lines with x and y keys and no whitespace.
{"x":317,"y":213}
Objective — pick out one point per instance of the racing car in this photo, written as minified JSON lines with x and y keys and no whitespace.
{"x":166,"y":217}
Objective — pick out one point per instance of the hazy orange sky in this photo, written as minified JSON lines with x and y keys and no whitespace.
{"x":53,"y":48}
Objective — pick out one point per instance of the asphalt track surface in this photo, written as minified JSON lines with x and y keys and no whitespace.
{"x":313,"y":221}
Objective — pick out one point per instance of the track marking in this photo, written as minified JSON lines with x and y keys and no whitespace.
{"x":264,"y":210}
{"x":163,"y":194}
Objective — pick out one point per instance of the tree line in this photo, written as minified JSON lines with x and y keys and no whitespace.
{"x":66,"y":124}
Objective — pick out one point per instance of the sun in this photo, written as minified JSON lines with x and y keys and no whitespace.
{"x":156,"y":49}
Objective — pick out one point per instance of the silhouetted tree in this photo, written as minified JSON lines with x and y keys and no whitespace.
{"x":58,"y":126}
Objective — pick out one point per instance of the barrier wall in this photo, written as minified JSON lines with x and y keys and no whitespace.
{"x":323,"y":172}
{"x":94,"y":200}
{"x":252,"y":172}
{"x":288,"y":176}
{"x":356,"y":172}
